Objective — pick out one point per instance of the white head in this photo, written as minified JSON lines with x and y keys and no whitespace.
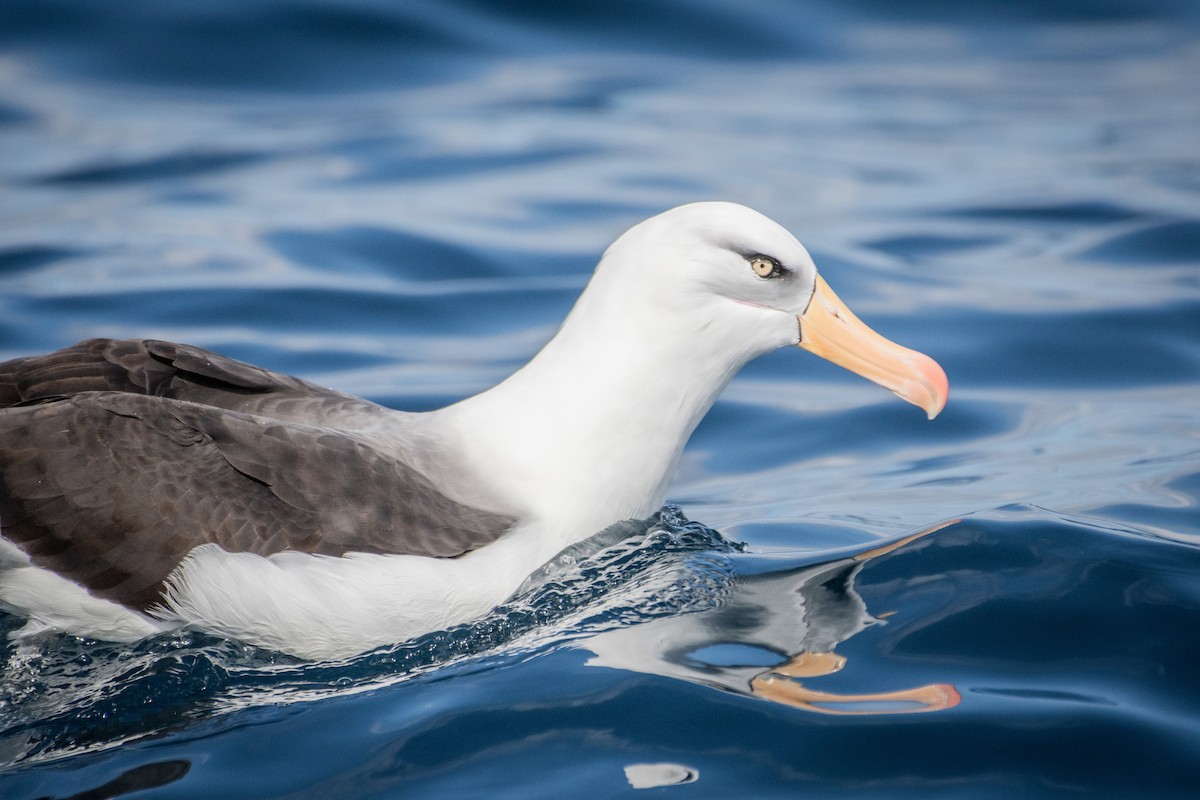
{"x":712,"y":247}
{"x":737,"y":281}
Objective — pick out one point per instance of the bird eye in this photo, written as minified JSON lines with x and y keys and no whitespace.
{"x":765,"y":267}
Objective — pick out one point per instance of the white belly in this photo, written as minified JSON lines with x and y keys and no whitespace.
{"x":317,"y":607}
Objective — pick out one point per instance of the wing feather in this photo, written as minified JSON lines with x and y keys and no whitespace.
{"x":175,"y":371}
{"x":118,"y":458}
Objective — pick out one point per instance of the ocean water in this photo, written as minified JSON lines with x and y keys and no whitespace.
{"x":402,"y":200}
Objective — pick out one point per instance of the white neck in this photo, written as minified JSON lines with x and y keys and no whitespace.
{"x":589,"y":432}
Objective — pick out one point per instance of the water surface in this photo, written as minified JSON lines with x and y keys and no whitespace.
{"x":403,"y":200}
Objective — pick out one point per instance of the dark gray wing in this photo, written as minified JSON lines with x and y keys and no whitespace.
{"x":112,"y":489}
{"x":176,"y":371}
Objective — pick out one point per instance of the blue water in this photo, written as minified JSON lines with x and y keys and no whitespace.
{"x":402,"y":201}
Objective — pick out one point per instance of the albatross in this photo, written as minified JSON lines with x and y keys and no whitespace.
{"x":147,"y":486}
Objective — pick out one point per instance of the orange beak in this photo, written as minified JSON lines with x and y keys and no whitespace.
{"x":830,"y":330}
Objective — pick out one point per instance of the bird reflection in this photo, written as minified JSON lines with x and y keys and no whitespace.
{"x":146,"y":776}
{"x":775,"y":630}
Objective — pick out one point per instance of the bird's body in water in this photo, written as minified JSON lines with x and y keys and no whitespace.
{"x":146,"y":485}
